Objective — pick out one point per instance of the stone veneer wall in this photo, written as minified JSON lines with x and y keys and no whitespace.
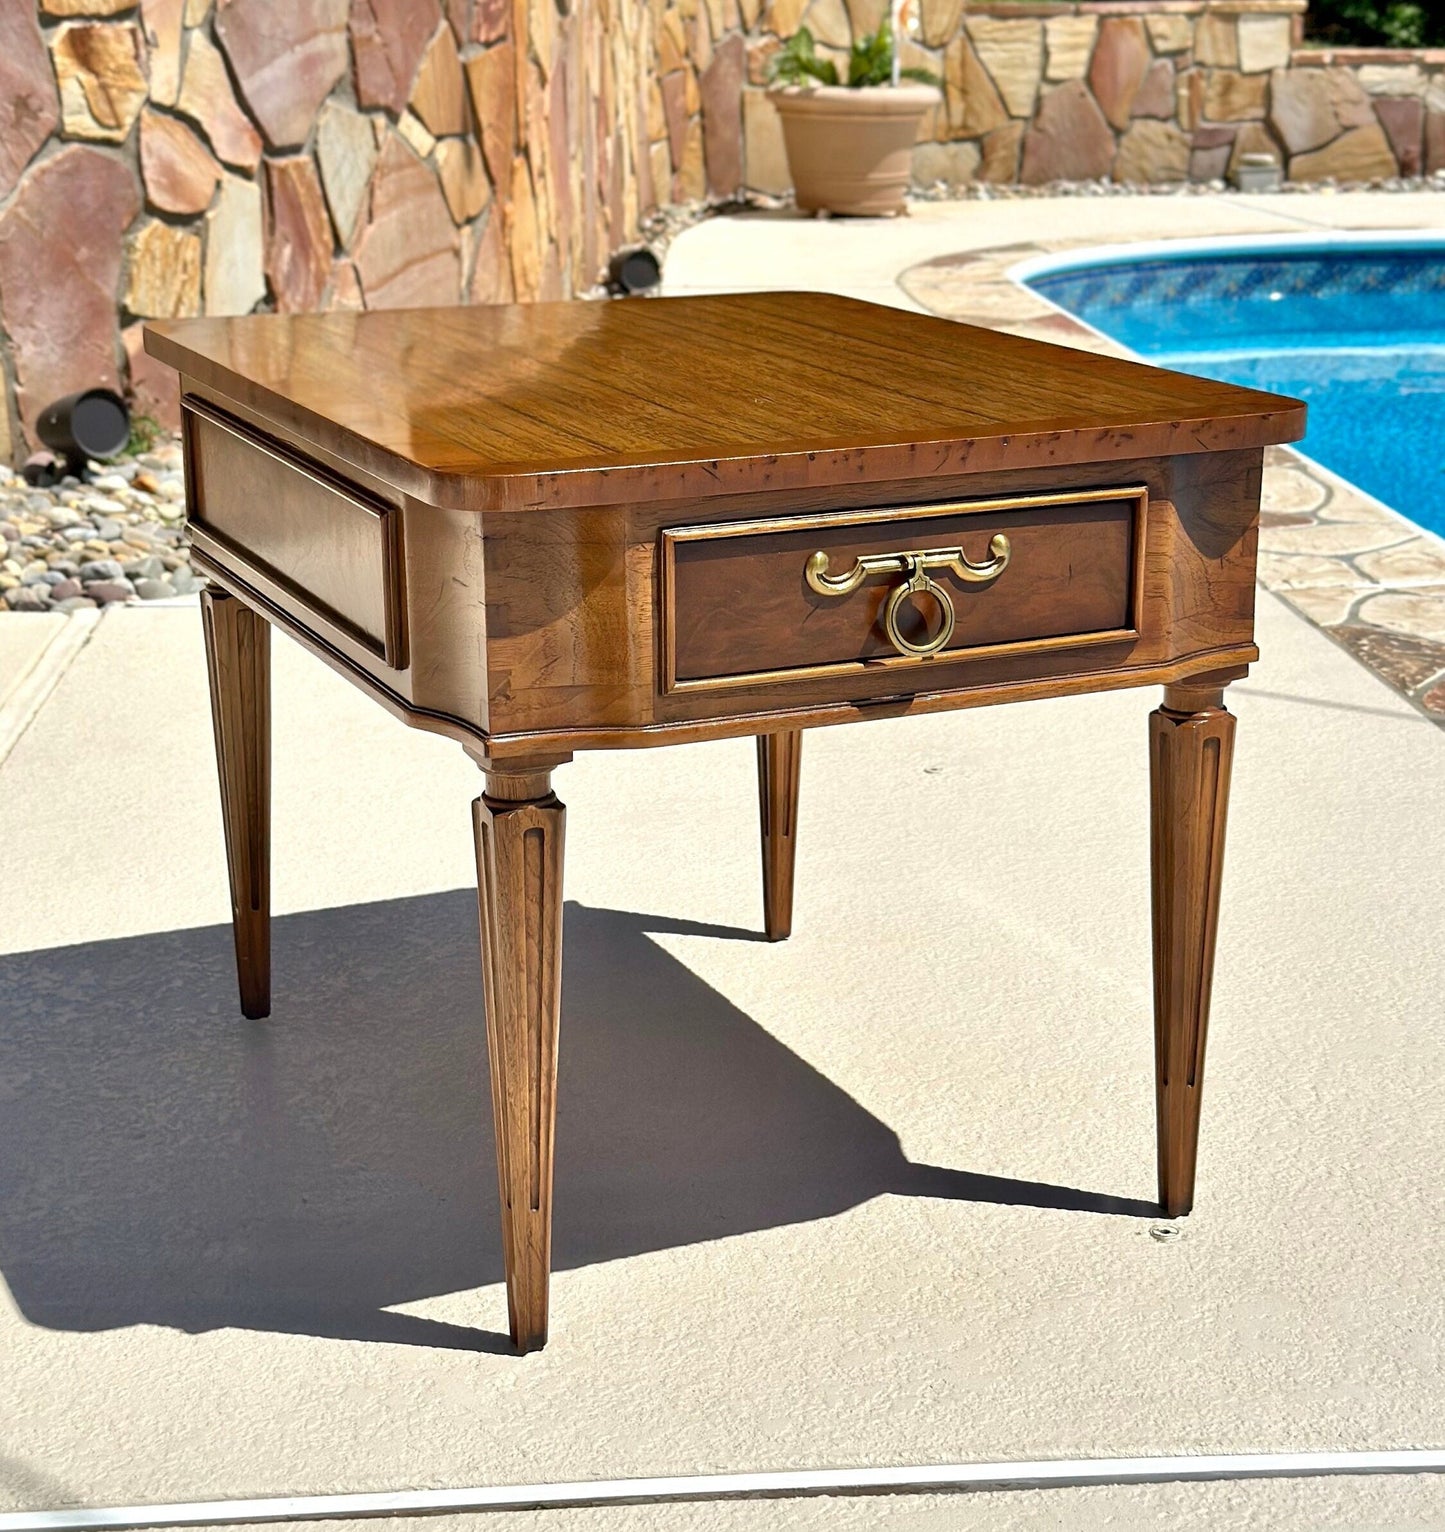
{"x":181,"y":157}
{"x":176,"y":157}
{"x":1144,"y":91}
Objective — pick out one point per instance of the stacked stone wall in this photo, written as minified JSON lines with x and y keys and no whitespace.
{"x":1144,"y":91}
{"x":179,"y":157}
{"x":185,"y":157}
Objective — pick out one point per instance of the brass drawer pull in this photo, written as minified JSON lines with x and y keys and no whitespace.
{"x":915,"y":567}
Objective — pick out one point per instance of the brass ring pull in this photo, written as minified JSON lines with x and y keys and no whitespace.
{"x":915,"y":566}
{"x":918,"y":584}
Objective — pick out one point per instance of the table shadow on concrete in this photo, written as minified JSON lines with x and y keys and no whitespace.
{"x":166,"y":1162}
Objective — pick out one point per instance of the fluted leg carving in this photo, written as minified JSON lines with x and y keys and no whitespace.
{"x":519,"y":832}
{"x":1191,"y":746}
{"x":779,"y":761}
{"x":238,"y":660}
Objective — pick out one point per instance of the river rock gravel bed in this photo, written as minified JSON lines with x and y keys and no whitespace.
{"x":113,"y":537}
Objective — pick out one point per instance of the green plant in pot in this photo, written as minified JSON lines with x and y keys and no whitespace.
{"x":850,"y":142}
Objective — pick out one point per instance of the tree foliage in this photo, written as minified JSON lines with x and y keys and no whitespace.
{"x":1377,"y":23}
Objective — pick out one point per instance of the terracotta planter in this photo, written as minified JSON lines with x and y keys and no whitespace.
{"x":851,"y":151}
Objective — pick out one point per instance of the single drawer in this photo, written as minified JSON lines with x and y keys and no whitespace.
{"x":302,"y":536}
{"x":808,"y":596}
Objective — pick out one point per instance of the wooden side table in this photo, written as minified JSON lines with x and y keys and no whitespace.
{"x":603,"y":525}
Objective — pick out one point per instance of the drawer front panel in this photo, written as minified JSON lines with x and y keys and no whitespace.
{"x":1043,"y":571}
{"x":330,"y":546}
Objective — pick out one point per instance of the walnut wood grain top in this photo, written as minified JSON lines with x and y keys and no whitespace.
{"x":603,"y":402}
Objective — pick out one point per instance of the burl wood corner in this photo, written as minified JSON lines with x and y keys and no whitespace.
{"x":604,"y":525}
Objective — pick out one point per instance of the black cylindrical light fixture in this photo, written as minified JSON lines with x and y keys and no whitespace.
{"x":634,"y":271}
{"x":92,"y":423}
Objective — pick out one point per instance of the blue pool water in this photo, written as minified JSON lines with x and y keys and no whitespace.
{"x":1357,"y":331}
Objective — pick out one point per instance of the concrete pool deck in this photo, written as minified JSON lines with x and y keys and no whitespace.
{"x":798,"y":1224}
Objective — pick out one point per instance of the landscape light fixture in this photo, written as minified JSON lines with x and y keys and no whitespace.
{"x":632,"y":271}
{"x":92,"y":423}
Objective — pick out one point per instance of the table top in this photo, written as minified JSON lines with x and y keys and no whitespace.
{"x":515,"y":406}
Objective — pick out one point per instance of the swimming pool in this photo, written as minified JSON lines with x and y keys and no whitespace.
{"x":1355,"y":326}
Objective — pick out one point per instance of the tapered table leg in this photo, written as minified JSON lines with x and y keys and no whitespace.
{"x":779,"y":760}
{"x":1191,"y":746}
{"x":519,"y":829}
{"x":238,"y":658}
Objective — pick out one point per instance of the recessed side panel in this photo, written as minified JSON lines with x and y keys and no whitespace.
{"x":329,"y":545}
